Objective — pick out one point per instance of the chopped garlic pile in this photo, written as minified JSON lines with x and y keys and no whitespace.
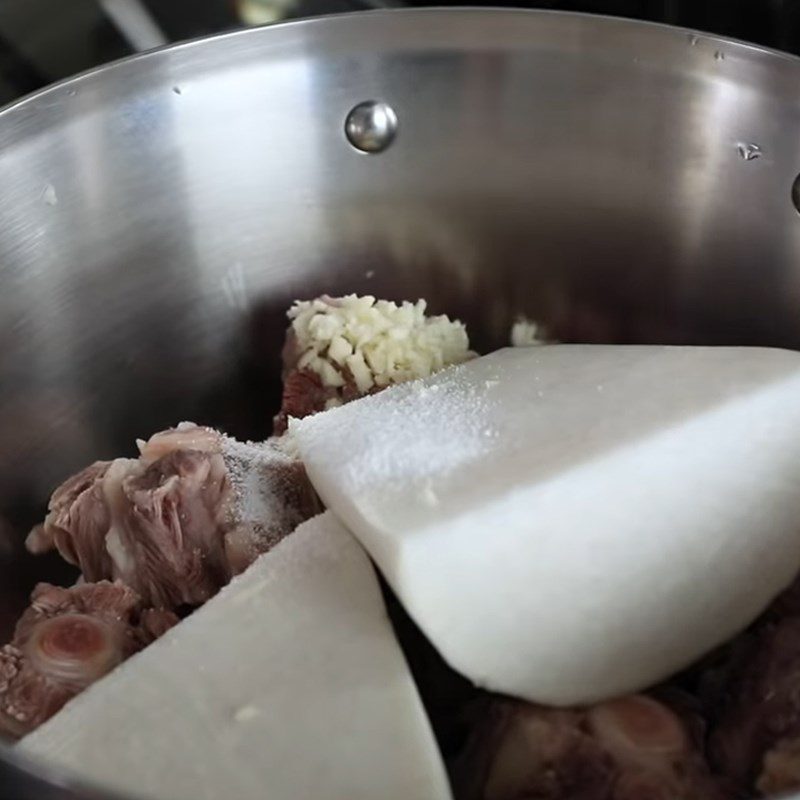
{"x":377,"y":341}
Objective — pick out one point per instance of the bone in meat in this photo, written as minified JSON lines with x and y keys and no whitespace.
{"x":633,"y":748}
{"x":65,"y":641}
{"x":754,"y":738}
{"x":177,"y":523}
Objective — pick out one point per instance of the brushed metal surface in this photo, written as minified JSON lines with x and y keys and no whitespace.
{"x":158,"y":216}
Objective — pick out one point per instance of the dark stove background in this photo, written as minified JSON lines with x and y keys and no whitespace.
{"x":42,"y":41}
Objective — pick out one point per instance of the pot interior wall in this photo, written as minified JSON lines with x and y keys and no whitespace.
{"x":618,"y":182}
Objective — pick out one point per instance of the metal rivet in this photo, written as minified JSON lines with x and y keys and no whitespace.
{"x":371,"y":126}
{"x":796,"y":193}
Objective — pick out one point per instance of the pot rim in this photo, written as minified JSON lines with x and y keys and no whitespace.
{"x":28,"y":778}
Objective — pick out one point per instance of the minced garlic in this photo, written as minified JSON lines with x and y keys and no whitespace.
{"x":377,"y":342}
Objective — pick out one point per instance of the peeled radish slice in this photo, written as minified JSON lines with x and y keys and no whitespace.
{"x":573,"y":523}
{"x":287,"y":685}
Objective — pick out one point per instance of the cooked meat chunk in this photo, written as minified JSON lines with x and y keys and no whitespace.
{"x":77,"y":523}
{"x":756,"y":732}
{"x":634,"y":748}
{"x":304,"y":394}
{"x":339,"y":349}
{"x":65,"y":641}
{"x":177,"y":523}
{"x":780,"y":771}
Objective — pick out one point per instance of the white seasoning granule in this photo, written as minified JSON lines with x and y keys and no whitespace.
{"x":392,"y":438}
{"x":258,"y":474}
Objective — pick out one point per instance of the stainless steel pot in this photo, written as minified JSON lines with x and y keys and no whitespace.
{"x":619,"y":181}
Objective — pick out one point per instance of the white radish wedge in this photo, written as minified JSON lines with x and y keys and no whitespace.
{"x":573,"y":523}
{"x":288,"y":684}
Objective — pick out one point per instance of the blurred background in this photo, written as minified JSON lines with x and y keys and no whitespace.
{"x":42,"y":41}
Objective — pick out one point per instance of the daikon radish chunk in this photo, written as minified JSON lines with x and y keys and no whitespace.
{"x":288,"y":684}
{"x":573,"y":523}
